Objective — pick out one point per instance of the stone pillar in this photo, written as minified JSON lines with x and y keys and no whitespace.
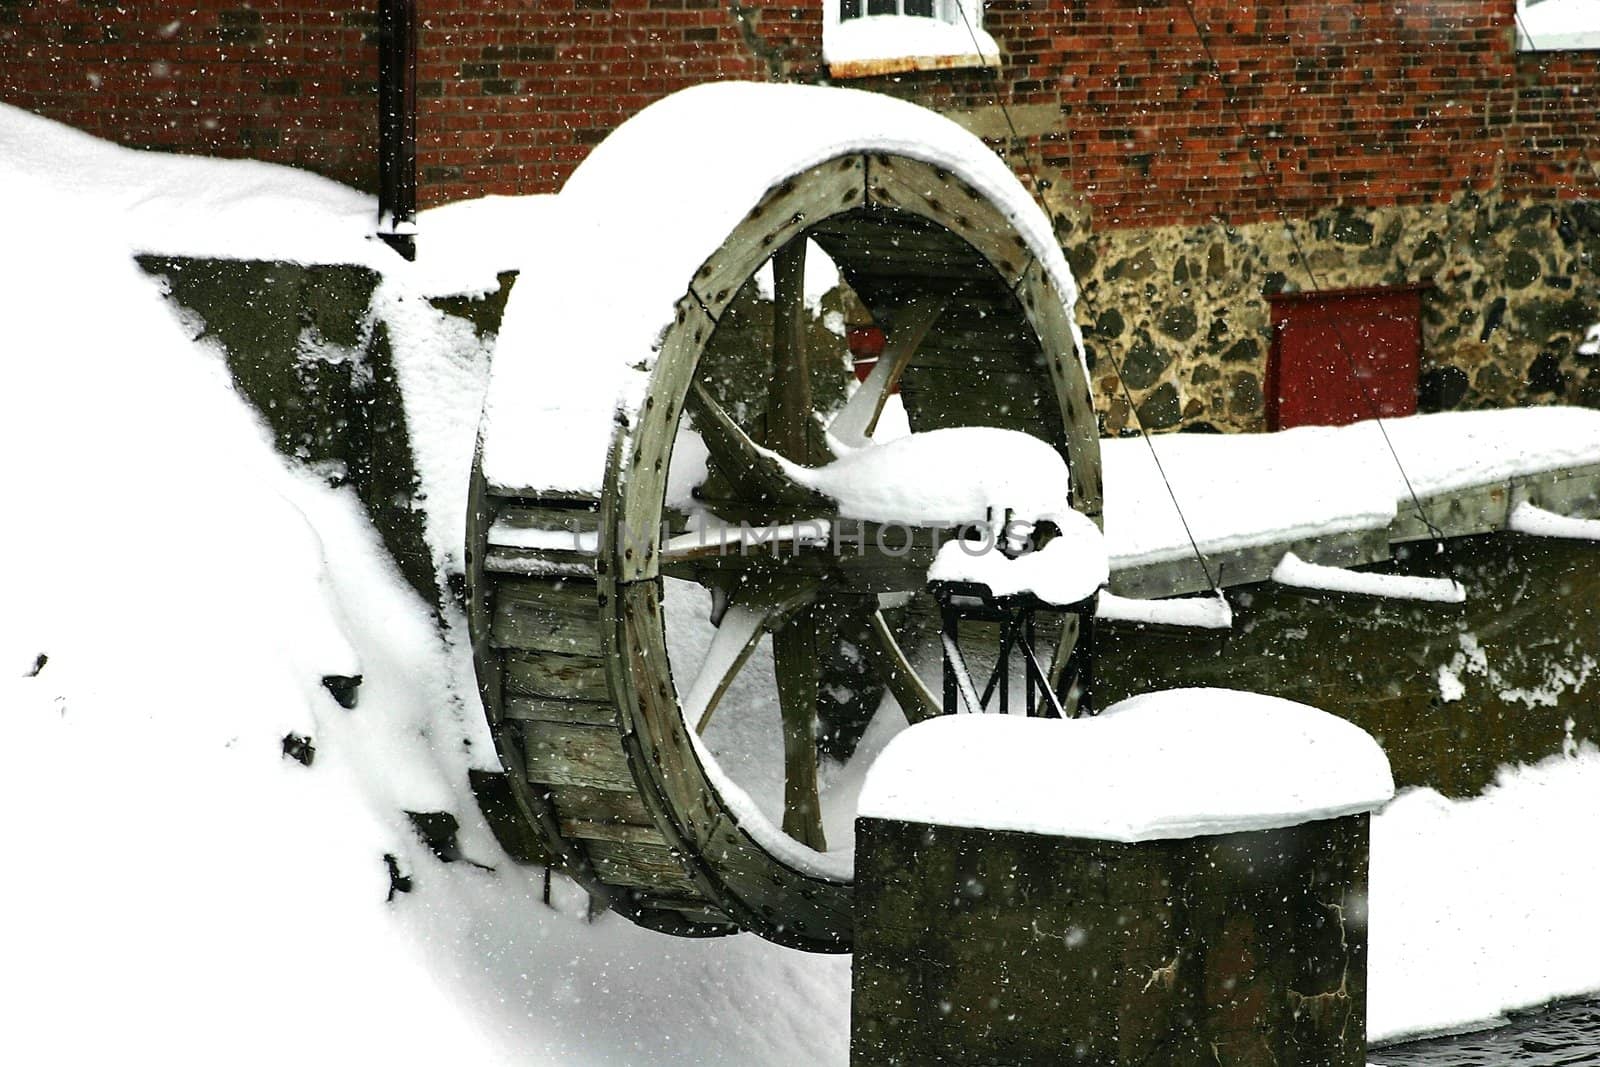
{"x":976,"y":945}
{"x":981,"y":946}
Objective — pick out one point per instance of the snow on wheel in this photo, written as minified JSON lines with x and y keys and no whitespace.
{"x":681,"y":712}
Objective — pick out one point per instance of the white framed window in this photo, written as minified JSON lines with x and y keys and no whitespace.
{"x":1557,"y":25}
{"x":865,"y":37}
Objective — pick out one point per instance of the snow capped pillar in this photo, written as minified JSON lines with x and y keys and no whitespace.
{"x":1182,"y":879}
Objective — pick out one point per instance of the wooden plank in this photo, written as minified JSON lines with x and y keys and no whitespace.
{"x":587,"y":804}
{"x":570,"y":531}
{"x":1246,"y":566}
{"x":639,"y":865}
{"x":703,"y":914}
{"x":514,"y":832}
{"x":535,"y":496}
{"x":1472,"y":510}
{"x":786,"y":210}
{"x":1571,"y":491}
{"x":530,"y":626}
{"x":544,"y":709}
{"x":638,"y":466}
{"x":1073,"y":403}
{"x":551,"y":674}
{"x":540,"y":563}
{"x":625,"y":833}
{"x":568,"y":596}
{"x":568,"y":754}
{"x":583,"y":517}
{"x":935,"y":193}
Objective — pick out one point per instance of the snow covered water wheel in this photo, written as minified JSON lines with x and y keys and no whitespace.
{"x":654,"y":696}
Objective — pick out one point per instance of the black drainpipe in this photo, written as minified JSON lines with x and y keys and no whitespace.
{"x":397,"y":125}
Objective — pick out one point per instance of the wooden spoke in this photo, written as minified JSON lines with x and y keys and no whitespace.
{"x":737,"y":636}
{"x":749,"y":468}
{"x":858,"y":419}
{"x":916,"y":700}
{"x":789,"y":416}
{"x":796,"y":663}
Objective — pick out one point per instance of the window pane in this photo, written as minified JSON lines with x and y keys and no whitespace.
{"x":849,"y":9}
{"x":920,"y":7}
{"x":883,"y":7}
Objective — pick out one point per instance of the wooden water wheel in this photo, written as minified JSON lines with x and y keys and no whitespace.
{"x":609,"y":629}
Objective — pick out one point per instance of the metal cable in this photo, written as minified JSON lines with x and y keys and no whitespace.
{"x":1116,"y":364}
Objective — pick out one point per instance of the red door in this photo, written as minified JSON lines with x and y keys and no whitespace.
{"x":1339,"y":356}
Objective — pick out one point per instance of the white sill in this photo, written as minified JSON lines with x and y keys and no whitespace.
{"x":892,"y":44}
{"x":1558,"y":42}
{"x":1558,"y":25}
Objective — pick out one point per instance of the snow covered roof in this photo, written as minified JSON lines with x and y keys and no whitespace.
{"x":1179,"y":763}
{"x":640,"y":215}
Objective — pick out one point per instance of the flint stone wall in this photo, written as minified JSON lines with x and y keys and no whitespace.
{"x":1184,"y":309}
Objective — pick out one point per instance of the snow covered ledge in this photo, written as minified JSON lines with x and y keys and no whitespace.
{"x":1173,"y":764}
{"x":1181,"y":880}
{"x":894,"y":44}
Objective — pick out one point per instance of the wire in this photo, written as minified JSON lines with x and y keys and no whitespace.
{"x":1316,"y":284}
{"x":1017,"y":138}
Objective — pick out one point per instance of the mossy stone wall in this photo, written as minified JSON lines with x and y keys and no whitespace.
{"x":988,"y":947}
{"x":1524,"y":649}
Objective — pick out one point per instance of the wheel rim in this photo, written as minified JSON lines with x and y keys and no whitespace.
{"x":919,"y":257}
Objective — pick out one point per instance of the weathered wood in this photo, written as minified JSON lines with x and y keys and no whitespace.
{"x":789,"y":385}
{"x":1074,"y":405}
{"x":1464,"y":512}
{"x":539,"y":563}
{"x":532,"y":627}
{"x":570,"y":754}
{"x":1471,"y":510}
{"x":1243,"y":566}
{"x":522,"y":842}
{"x":934,"y":193}
{"x":1572,"y":491}
{"x":860,"y":416}
{"x":642,"y":865}
{"x":916,"y":700}
{"x":556,"y":675}
{"x":584,"y":517}
{"x":782,"y":214}
{"x":795,"y":661}
{"x":544,"y":709}
{"x":631,"y":513}
{"x":587,"y":804}
{"x":576,"y":597}
{"x":588,"y":719}
{"x":624,"y":833}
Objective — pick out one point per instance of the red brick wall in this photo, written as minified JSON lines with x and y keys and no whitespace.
{"x":515,"y":94}
{"x":1372,"y":103}
{"x":293,"y":81}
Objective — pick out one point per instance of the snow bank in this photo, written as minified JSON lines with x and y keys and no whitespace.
{"x":173,"y":593}
{"x":181,"y":205}
{"x":581,"y":333}
{"x":1173,"y":764}
{"x":1483,"y":906}
{"x":1241,"y":490}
